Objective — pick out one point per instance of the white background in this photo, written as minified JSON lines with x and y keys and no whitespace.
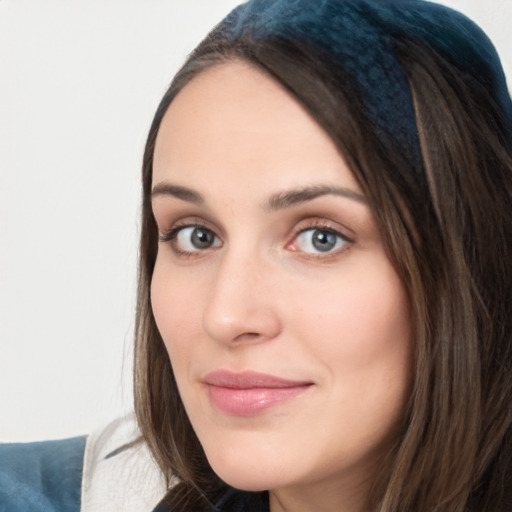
{"x":79,"y":83}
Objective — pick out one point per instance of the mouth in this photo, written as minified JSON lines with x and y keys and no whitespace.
{"x":249,"y":393}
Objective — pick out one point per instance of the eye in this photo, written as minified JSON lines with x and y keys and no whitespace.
{"x":191,"y":239}
{"x":319,"y":241}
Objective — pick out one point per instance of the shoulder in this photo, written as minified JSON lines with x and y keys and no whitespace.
{"x":41,"y":477}
{"x":119,"y":472}
{"x":108,"y":471}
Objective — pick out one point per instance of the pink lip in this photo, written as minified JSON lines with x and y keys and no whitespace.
{"x":249,"y":393}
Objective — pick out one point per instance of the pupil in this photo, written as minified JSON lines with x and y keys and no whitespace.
{"x":323,"y":241}
{"x":201,"y":238}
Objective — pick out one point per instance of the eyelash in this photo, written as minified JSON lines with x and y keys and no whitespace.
{"x":324,"y":228}
{"x":170,"y":236}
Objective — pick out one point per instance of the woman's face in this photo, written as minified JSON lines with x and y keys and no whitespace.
{"x":286,"y":324}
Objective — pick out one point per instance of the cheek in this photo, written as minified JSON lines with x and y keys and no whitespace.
{"x":358,"y":327}
{"x":359,"y":334}
{"x":176,"y":308}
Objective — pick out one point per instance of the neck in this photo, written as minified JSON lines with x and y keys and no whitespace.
{"x":325,"y":497}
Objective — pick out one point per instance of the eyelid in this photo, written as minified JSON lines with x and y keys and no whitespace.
{"x":169,"y":234}
{"x":184,"y":222}
{"x":325,"y":224}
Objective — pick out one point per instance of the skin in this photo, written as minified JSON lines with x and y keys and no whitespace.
{"x":262,"y":297}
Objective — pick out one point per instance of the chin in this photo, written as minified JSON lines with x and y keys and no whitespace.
{"x":246,"y":476}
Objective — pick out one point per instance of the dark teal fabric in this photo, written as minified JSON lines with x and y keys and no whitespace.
{"x":241,"y":501}
{"x":41,"y":477}
{"x":233,"y":500}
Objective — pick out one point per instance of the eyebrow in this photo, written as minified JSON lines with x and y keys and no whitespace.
{"x":290,"y":198}
{"x":183,"y":193}
{"x":279,"y":201}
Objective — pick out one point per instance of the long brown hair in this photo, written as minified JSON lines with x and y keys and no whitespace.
{"x":446,"y":223}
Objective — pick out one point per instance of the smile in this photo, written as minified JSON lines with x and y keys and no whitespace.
{"x":249,"y":393}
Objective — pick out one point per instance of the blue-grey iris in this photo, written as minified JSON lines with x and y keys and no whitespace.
{"x":202,"y":238}
{"x":323,"y":240}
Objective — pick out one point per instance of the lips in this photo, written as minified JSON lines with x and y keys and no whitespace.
{"x":249,"y":393}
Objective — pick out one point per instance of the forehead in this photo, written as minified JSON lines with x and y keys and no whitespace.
{"x":234,"y":118}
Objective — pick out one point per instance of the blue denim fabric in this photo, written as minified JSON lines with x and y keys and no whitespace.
{"x":41,"y":477}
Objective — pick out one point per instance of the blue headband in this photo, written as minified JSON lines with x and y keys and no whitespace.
{"x":360,"y":36}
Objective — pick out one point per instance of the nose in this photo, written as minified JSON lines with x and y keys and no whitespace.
{"x":240,"y":306}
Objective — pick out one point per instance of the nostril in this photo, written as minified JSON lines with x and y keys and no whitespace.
{"x":248,"y":336}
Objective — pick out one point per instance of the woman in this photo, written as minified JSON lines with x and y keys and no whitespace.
{"x":325,"y":281}
{"x":413,"y":103}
